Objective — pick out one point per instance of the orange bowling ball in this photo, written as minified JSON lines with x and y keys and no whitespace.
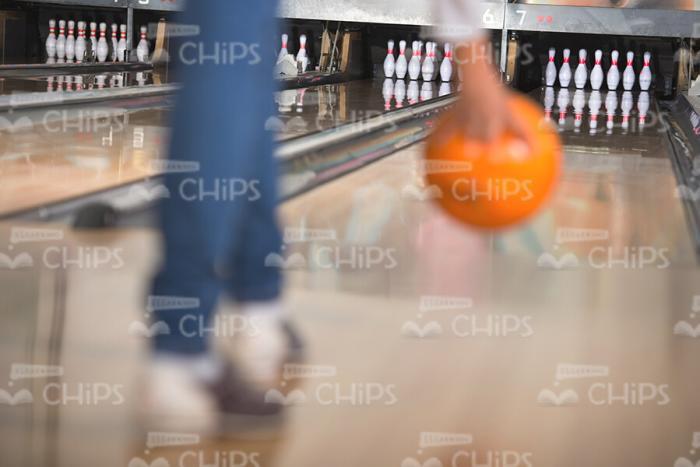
{"x":499,"y":184}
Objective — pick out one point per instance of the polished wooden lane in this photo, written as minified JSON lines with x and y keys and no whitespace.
{"x":318,"y":108}
{"x":49,"y":156}
{"x":566,"y":342}
{"x":57,"y":154}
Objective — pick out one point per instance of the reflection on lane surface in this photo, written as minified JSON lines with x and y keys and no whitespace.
{"x":54,"y":154}
{"x":303,"y":111}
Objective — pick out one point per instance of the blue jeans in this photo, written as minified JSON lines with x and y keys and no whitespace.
{"x":219,"y":222}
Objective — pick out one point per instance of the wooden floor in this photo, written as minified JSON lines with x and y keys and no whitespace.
{"x":547,"y":346}
{"x":57,"y":155}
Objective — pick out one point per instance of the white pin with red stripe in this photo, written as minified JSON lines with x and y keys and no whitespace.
{"x":645,"y":75}
{"x":51,"y":40}
{"x":550,"y":74}
{"x":102,"y":47}
{"x":614,"y":72}
{"x":581,"y":75}
{"x":565,"y":70}
{"x":283,"y":51}
{"x":401,"y":62}
{"x":597,"y":74}
{"x":628,"y":77}
{"x":389,"y":61}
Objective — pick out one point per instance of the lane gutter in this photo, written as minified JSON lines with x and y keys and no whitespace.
{"x":683,"y":140}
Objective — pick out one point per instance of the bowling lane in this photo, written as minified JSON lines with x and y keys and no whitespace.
{"x":49,"y":156}
{"x":605,"y":122}
{"x":542,"y":344}
{"x":59,"y":154}
{"x":475,"y":331}
{"x":318,"y":108}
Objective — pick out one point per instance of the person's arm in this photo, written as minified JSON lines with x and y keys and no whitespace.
{"x":482,"y":110}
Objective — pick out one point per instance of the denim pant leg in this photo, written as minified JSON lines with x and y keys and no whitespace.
{"x":219,"y":126}
{"x":251,"y":280}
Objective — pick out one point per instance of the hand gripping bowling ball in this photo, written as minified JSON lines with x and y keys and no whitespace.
{"x":500,"y":184}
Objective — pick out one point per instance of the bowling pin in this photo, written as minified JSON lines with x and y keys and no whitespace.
{"x":446,"y":66}
{"x":643,"y":107}
{"x":548,"y":103}
{"x":424,"y":48}
{"x":628,"y":77}
{"x":121,"y":46}
{"x":400,"y":93}
{"x":597,"y":74}
{"x":142,"y":48}
{"x":428,"y":69}
{"x":401,"y":62}
{"x":413,"y":92}
{"x":579,"y":104}
{"x":115,"y":41}
{"x":611,"y":108}
{"x":563,"y":104}
{"x":550,"y":74}
{"x":645,"y":75}
{"x":51,"y":40}
{"x":565,"y":70}
{"x":61,"y":40}
{"x":102,"y":47}
{"x":70,"y":41}
{"x":414,"y":66}
{"x":302,"y":58}
{"x":390,"y":61}
{"x":581,"y":74}
{"x":595,"y":102}
{"x":93,"y":40}
{"x":283,"y":51}
{"x":627,"y":106}
{"x":445,"y":89}
{"x":614,"y":72}
{"x":80,"y":45}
